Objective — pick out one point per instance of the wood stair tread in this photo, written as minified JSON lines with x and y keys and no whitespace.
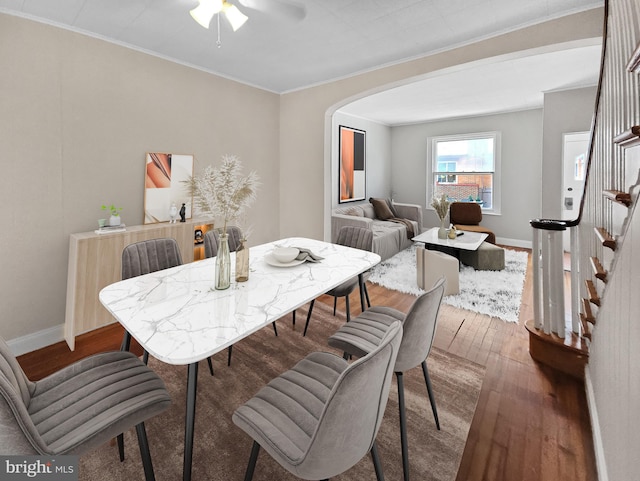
{"x":605,"y":238}
{"x":587,"y":312}
{"x":586,"y":330}
{"x":594,"y":298}
{"x":618,"y":196}
{"x":598,"y":270}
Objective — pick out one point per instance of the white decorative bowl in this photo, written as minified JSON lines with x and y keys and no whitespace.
{"x":285,"y":254}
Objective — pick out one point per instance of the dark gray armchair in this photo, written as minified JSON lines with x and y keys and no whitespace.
{"x":79,"y":407}
{"x":322,"y":417}
{"x":365,"y":332}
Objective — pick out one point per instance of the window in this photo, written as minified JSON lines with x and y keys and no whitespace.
{"x":444,"y":166}
{"x":466,"y":169}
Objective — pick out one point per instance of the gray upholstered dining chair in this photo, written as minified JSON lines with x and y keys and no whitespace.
{"x":149,"y":256}
{"x":358,"y":238}
{"x":211,"y":250}
{"x":234,"y":234}
{"x":365,"y":332}
{"x":78,"y":408}
{"x":142,"y":258}
{"x":308,"y":419}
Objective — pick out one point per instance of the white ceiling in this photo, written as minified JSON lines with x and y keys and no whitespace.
{"x":336,"y":39}
{"x":499,"y":85}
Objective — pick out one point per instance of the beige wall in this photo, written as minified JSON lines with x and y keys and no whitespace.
{"x":77,"y":115}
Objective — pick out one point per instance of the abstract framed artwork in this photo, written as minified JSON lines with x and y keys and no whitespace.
{"x":164,"y":185}
{"x":352,"y":169}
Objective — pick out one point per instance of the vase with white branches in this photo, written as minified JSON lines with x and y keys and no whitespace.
{"x":223,"y":192}
{"x":441,"y":206}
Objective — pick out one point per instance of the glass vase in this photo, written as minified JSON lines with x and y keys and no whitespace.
{"x":442,"y":231}
{"x":223,"y":263}
{"x":242,"y":262}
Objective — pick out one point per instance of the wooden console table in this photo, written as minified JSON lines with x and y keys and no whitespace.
{"x":95,"y":262}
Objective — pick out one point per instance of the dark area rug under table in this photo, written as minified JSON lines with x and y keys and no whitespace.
{"x":221,"y":450}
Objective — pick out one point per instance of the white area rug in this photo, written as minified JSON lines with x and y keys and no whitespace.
{"x":494,"y":293}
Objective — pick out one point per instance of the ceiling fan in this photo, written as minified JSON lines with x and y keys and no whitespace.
{"x":204,"y":12}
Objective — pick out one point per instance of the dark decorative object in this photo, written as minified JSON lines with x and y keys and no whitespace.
{"x":183,"y":211}
{"x":198,"y":237}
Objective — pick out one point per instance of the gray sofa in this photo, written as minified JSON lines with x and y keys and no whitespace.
{"x":389,"y":238}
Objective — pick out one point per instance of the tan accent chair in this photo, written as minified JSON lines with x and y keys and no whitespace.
{"x":467,"y":216}
{"x":432,"y":265}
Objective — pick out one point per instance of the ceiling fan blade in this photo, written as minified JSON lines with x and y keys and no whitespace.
{"x":283,"y":8}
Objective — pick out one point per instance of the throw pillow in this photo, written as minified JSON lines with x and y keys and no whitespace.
{"x":356,"y":211}
{"x":381,"y":208}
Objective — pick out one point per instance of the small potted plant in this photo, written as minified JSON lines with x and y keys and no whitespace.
{"x":115,"y":214}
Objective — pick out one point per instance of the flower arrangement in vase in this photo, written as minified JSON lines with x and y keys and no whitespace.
{"x":441,"y":206}
{"x":225,"y":193}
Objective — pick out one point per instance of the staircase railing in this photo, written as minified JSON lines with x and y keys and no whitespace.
{"x":547,"y":249}
{"x":605,"y":211}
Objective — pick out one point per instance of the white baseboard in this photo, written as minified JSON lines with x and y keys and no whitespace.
{"x":37,"y":340}
{"x":514,"y":242}
{"x":601,"y":465}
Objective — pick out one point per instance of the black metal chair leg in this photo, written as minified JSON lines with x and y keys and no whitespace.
{"x":346,"y":300}
{"x":145,"y":357}
{"x":366,"y":294}
{"x":294,"y":318}
{"x":275,"y":329}
{"x":255,"y":450}
{"x":432,"y":399}
{"x":403,"y":427}
{"x":210,"y":365}
{"x":362,"y":288}
{"x":120,"y":440}
{"x":190,"y":420}
{"x":229,"y":351}
{"x":335,"y":304}
{"x":144,"y":452}
{"x":125,"y":345}
{"x":126,"y":341}
{"x":308,"y":317}
{"x":377,"y":465}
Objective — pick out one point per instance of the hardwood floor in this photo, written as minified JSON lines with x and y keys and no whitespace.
{"x":531,"y":423}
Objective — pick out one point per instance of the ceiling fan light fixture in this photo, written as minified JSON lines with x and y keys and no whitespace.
{"x":234,"y":15}
{"x":204,"y":12}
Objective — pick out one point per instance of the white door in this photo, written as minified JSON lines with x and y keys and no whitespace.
{"x":574,"y":157}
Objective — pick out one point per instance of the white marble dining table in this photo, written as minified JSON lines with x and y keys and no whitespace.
{"x":179,"y":318}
